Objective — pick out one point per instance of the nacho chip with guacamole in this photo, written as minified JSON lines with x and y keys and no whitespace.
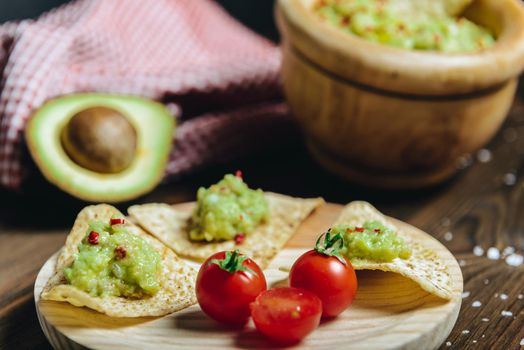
{"x":261,"y":242}
{"x":113,"y":267}
{"x":373,"y":242}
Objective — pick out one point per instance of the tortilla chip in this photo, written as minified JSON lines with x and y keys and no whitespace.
{"x":176,"y":284}
{"x":171,"y":227}
{"x":424,"y":266}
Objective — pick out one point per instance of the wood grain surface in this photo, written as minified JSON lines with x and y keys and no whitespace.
{"x":389,"y":311}
{"x":481,"y":206}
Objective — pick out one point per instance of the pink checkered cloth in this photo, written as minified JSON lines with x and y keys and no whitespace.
{"x":219,"y":78}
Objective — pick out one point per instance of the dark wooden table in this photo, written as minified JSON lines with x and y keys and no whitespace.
{"x":483,"y":205}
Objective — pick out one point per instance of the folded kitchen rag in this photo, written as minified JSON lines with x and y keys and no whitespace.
{"x":219,"y":78}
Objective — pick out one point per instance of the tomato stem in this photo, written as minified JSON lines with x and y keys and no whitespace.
{"x":233,"y":262}
{"x":331,"y":245}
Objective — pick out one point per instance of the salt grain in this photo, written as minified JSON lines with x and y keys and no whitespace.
{"x":476,"y":303}
{"x":484,"y":155}
{"x":514,"y":260}
{"x":448,"y":343}
{"x":465,"y":331}
{"x":448,"y":236}
{"x":485,"y":319}
{"x":465,"y":161}
{"x":522,"y":342}
{"x":465,"y":295}
{"x":506,"y":313}
{"x":503,"y":296}
{"x":486,"y":281}
{"x":462,"y":262}
{"x":474,"y":342}
{"x":493,"y":253}
{"x":510,"y":179}
{"x":520,"y":296}
{"x":478,"y":251}
{"x":508,"y":251}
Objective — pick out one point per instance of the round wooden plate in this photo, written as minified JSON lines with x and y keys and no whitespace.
{"x":389,"y":312}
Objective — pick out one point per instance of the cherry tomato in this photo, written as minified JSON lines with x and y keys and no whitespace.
{"x":226,"y":284}
{"x":327,"y":274}
{"x":286,"y":315}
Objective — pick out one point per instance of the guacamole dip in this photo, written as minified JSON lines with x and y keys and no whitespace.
{"x":372,"y":241}
{"x":393,"y":23}
{"x":112,"y":262}
{"x":226,"y":209}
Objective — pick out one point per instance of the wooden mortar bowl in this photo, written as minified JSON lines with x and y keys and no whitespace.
{"x":391,"y":117}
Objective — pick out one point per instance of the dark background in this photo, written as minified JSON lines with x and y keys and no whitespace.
{"x":256,"y":14}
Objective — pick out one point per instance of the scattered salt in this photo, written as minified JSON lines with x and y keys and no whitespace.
{"x":478,"y":251}
{"x":522,"y":342}
{"x":496,"y":295}
{"x":503,"y":296}
{"x":465,"y":331}
{"x":514,"y":260}
{"x":448,"y":343}
{"x":484,"y":155}
{"x":520,"y":296}
{"x":483,"y":336}
{"x":510,"y":135}
{"x":474,"y":342}
{"x":510,"y":179}
{"x":508,"y":251}
{"x":448,"y":236}
{"x":506,"y":313}
{"x":462,"y":262}
{"x":465,"y":295}
{"x":486,"y":281}
{"x":485,"y":319}
{"x":493,"y":253}
{"x":476,"y":303}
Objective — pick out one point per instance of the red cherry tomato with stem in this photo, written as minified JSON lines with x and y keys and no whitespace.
{"x":227,"y":283}
{"x":326,"y":273}
{"x":286,"y":315}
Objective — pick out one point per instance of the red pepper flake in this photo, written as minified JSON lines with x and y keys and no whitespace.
{"x":348,"y":230}
{"x":120,"y":252}
{"x":93,"y":237}
{"x":345,"y":21}
{"x":239,"y":238}
{"x":241,"y":217}
{"x":238,"y":173}
{"x":359,"y":229}
{"x":117,"y":221}
{"x":377,"y":230}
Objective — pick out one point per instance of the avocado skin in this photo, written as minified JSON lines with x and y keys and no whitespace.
{"x":154,"y":126}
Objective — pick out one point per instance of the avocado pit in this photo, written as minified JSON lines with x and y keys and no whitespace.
{"x":100,"y":139}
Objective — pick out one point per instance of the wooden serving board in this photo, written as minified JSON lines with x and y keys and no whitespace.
{"x":389,"y":312}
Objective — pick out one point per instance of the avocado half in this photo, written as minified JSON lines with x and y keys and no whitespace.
{"x":152,"y":129}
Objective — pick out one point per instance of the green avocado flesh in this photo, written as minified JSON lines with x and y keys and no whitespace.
{"x":226,"y":209}
{"x":119,"y":264}
{"x":154,"y":127}
{"x":389,"y":22}
{"x":372,"y":242}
